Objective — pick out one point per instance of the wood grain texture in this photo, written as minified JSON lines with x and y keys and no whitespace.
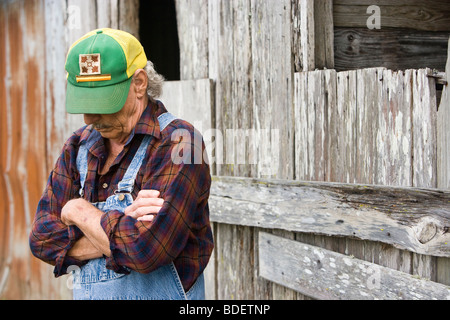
{"x":23,"y":147}
{"x":193,"y":101}
{"x":407,"y":218}
{"x":353,"y":126}
{"x":396,"y":49}
{"x":431,"y":15}
{"x":192,"y":22}
{"x":128,"y":16}
{"x":35,"y":37}
{"x":443,"y":133}
{"x":358,"y":126}
{"x":272,"y":87}
{"x":324,"y":274}
{"x":303,"y":35}
{"x":424,"y":130}
{"x":323,"y":34}
{"x":443,"y":160}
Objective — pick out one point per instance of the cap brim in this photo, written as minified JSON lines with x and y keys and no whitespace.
{"x":98,"y":100}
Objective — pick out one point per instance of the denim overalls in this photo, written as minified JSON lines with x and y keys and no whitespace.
{"x":94,"y":280}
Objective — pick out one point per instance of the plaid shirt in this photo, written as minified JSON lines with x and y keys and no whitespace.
{"x":180,"y":232}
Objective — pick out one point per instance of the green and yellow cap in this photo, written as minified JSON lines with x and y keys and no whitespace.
{"x":100,"y":66}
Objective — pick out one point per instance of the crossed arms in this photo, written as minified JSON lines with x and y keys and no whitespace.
{"x":95,"y":243}
{"x":68,"y":231}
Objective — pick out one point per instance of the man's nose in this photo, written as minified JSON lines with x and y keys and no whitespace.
{"x":91,"y":118}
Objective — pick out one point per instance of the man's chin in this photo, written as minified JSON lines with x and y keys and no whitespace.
{"x":105,"y":132}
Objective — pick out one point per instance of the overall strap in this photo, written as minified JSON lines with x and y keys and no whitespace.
{"x":165,"y":119}
{"x":127,"y":182}
{"x":82,"y":158}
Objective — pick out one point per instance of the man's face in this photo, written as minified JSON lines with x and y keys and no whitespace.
{"x":117,"y":126}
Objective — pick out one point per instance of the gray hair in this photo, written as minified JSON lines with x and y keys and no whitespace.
{"x":155,"y":81}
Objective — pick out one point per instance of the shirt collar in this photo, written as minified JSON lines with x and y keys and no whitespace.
{"x":148,"y":123}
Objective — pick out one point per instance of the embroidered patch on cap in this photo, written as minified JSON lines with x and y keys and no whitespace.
{"x":90,"y":64}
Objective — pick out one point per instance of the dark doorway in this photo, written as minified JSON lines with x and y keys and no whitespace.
{"x":159,"y":35}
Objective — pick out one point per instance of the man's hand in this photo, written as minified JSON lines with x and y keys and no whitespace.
{"x":85,"y":216}
{"x":146,"y":205}
{"x":71,"y":208}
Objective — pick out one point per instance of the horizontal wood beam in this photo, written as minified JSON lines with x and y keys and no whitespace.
{"x":396,"y":49}
{"x":414,"y":219}
{"x":324,"y":274}
{"x":431,"y":15}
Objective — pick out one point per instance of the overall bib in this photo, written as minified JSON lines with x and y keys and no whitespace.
{"x":94,"y":281}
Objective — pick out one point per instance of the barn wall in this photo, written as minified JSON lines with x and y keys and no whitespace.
{"x":34,"y":38}
{"x":373,"y":126}
{"x":251,"y":53}
{"x":23,"y":148}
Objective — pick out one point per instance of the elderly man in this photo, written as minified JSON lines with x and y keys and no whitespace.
{"x":132,"y":222}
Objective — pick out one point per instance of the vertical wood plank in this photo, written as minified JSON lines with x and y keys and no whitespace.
{"x":15,"y":265}
{"x":220,"y":25}
{"x":271,"y":63}
{"x":443,"y":132}
{"x":104,"y":16}
{"x":424,"y":130}
{"x":273,"y":81}
{"x":393,"y":141}
{"x":303,"y":39}
{"x":235,"y":262}
{"x":215,"y":71}
{"x":193,"y":101}
{"x":81,"y":19}
{"x":343,"y":129}
{"x":230,"y":66}
{"x":192,"y":21}
{"x":32,"y":170}
{"x":443,"y":160}
{"x":210,"y":272}
{"x":114,"y":13}
{"x":367,"y":126}
{"x":6,"y":221}
{"x":323,"y":34}
{"x":55,"y":50}
{"x":307,"y":35}
{"x":23,"y":145}
{"x":320,"y":131}
{"x":301,"y":126}
{"x":330,"y":103}
{"x":129,"y":16}
{"x":243,"y":91}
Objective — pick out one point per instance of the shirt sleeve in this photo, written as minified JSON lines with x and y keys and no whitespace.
{"x":184,"y":184}
{"x":50,"y":239}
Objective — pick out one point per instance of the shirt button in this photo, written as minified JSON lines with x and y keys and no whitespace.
{"x":121,"y":196}
{"x":105,"y":185}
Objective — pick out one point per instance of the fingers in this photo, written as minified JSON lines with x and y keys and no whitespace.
{"x":148,"y":217}
{"x":148,"y":194}
{"x":146,"y":205}
{"x":141,"y":211}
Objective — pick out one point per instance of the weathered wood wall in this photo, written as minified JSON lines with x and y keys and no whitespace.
{"x":34,"y":38}
{"x":251,"y":55}
{"x":23,"y":147}
{"x":371,"y":126}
